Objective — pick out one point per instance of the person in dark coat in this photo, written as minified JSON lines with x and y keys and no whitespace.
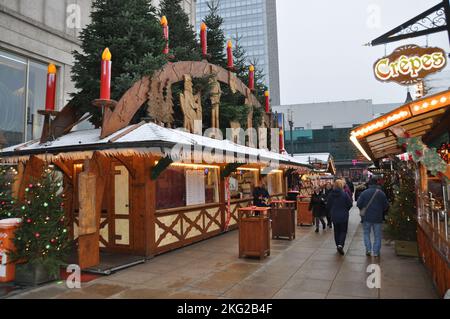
{"x":261,"y":195}
{"x":350,"y":185}
{"x":318,"y":208}
{"x":361,"y":188}
{"x":339,"y":204}
{"x":326,"y":192}
{"x":373,"y":218}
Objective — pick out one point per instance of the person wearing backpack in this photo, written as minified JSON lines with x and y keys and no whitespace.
{"x":372,"y":204}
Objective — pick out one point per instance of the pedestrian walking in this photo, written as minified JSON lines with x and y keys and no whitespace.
{"x":372,"y":204}
{"x":350,"y":185}
{"x":359,"y":189}
{"x":348,"y":191}
{"x":318,"y":208}
{"x":327,"y":190}
{"x":339,"y":204}
{"x":261,"y":195}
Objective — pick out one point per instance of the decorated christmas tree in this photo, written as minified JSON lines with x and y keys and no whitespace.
{"x":7,"y":202}
{"x":182,"y":37}
{"x":132,"y":32}
{"x":216,"y":38}
{"x":402,"y":217}
{"x":43,"y":236}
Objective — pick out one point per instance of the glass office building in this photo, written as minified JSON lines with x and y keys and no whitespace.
{"x":254,"y":21}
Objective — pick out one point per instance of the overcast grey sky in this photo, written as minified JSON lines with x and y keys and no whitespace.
{"x":322,"y":57}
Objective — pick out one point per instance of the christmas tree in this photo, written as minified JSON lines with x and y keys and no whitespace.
{"x":7,"y":202}
{"x":240,"y":58}
{"x":402,"y":217}
{"x":43,"y":235}
{"x":216,"y":37}
{"x":182,"y":37}
{"x":132,"y":32}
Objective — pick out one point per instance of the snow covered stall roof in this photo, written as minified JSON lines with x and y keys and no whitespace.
{"x":142,"y":138}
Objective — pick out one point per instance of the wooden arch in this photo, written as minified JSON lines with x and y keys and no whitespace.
{"x":171,"y":73}
{"x":138,"y":94}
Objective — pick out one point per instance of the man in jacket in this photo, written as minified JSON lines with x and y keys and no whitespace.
{"x":373,"y":218}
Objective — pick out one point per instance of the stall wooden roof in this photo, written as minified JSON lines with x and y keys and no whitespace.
{"x":428,"y":118}
{"x":142,"y":138}
{"x":325,"y":159}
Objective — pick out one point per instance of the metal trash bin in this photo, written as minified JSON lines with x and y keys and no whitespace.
{"x":7,"y":230}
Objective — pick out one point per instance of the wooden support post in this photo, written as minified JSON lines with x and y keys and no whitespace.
{"x":33,"y":170}
{"x":222,"y":201}
{"x":150,"y":209}
{"x":93,"y":181}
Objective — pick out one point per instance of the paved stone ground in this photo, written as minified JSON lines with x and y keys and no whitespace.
{"x":307,"y":267}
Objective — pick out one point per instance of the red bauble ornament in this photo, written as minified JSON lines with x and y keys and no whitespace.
{"x":3,"y":203}
{"x":419,"y":153}
{"x":52,"y":240}
{"x":30,"y":185}
{"x":37,"y":235}
{"x":62,"y":204}
{"x":29,"y":220}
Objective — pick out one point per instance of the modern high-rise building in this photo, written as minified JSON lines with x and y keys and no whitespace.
{"x":255,"y":23}
{"x":34,"y":33}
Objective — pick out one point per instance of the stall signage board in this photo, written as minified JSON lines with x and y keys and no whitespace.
{"x":410,"y":64}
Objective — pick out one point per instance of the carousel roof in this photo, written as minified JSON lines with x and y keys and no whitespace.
{"x":144,"y":138}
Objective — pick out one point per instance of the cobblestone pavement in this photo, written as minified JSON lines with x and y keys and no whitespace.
{"x":307,"y":267}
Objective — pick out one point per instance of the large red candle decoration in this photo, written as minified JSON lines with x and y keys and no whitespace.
{"x":230,"y":54}
{"x":203,"y":39}
{"x":165,"y":26}
{"x":251,"y":78}
{"x":267,"y":96}
{"x":105,"y":77}
{"x":51,"y":88}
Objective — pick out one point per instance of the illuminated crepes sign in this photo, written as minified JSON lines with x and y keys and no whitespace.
{"x":410,"y":64}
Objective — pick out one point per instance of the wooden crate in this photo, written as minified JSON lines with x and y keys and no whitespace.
{"x":254,"y":233}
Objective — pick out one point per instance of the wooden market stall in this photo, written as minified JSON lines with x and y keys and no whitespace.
{"x":429,"y":119}
{"x":144,"y":188}
{"x":322,"y":173}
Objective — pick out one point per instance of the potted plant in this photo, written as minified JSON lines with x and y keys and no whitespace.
{"x":42,"y":242}
{"x":402,"y":218}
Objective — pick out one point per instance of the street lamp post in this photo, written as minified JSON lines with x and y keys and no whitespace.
{"x":291,"y":124}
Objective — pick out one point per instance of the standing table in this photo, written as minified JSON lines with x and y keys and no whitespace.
{"x":283,"y":218}
{"x":254,"y":232}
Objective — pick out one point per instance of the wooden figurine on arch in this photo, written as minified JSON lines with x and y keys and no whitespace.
{"x":190,"y":104}
{"x":216,"y":94}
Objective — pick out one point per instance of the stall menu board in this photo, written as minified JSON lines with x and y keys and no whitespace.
{"x":195,"y":187}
